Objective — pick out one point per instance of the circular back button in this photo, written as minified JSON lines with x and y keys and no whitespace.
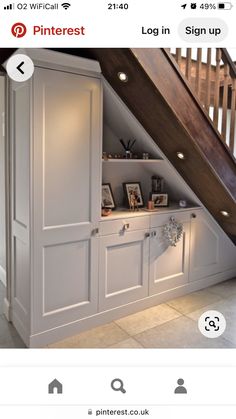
{"x":20,"y":67}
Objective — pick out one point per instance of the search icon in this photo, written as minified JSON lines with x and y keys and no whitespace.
{"x":118,"y":385}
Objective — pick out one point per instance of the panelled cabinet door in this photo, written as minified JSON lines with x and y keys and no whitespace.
{"x":205,"y":257}
{"x":66,"y":196}
{"x":168,"y":265}
{"x":123,"y":270}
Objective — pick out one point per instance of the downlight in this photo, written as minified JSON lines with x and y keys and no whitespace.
{"x":180,"y":155}
{"x":225,"y":213}
{"x":123,"y":77}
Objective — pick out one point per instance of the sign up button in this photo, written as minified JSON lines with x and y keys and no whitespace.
{"x":203,"y":30}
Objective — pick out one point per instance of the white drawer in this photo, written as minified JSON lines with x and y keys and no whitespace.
{"x":159,"y":220}
{"x":124,"y":224}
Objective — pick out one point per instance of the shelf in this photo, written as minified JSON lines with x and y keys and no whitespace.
{"x":132,"y":161}
{"x":125,"y":213}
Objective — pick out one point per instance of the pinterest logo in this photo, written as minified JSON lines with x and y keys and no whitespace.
{"x":18,"y":30}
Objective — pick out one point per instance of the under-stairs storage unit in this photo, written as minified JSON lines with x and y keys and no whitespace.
{"x":73,"y":269}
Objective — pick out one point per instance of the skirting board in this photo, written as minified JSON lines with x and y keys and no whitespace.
{"x":3,"y":276}
{"x":54,"y":335}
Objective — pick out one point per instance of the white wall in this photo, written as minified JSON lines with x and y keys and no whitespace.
{"x":2,"y":188}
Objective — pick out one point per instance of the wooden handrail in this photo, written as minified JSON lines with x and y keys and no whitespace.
{"x":227,"y":59}
{"x":213,"y":79}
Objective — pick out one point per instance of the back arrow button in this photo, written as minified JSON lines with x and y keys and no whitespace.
{"x":19,"y":67}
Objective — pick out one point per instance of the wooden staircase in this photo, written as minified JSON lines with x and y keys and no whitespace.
{"x":183,"y":111}
{"x":160,"y":94}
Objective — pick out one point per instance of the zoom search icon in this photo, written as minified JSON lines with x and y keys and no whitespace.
{"x":118,"y":385}
{"x":212,"y":324}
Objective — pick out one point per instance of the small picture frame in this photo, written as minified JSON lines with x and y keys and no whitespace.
{"x":160,"y":199}
{"x":107,"y":196}
{"x":133,"y":194}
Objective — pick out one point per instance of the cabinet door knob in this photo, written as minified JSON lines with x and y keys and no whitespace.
{"x":126,"y":226}
{"x":153,"y":234}
{"x":95,"y":231}
{"x":147,"y":235}
{"x":193,"y":215}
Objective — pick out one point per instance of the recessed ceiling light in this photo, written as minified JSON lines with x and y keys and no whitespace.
{"x":224,"y":213}
{"x":122,"y":76}
{"x":180,"y":155}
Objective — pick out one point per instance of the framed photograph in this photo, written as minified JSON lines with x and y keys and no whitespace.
{"x":107,"y":196}
{"x":160,"y":199}
{"x":133,"y":194}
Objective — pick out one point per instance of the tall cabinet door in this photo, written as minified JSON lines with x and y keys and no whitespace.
{"x":66,"y":196}
{"x":169,"y":265}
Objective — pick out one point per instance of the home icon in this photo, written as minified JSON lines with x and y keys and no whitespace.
{"x":55,"y":385}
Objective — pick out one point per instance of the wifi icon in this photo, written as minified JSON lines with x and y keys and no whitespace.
{"x":66,"y":5}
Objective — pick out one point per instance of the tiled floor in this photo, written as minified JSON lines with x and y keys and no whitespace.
{"x":9,"y":337}
{"x":169,"y":325}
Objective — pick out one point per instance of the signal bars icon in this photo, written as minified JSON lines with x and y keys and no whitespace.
{"x":66,"y":5}
{"x":9,"y":7}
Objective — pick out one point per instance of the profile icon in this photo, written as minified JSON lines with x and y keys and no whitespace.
{"x":180,"y":389}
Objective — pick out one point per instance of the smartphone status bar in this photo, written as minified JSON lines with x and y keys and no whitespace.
{"x":120,"y":24}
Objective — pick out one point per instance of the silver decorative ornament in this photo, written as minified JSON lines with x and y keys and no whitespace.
{"x":173,"y":231}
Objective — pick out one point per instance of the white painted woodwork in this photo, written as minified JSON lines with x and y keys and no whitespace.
{"x":67,"y":123}
{"x":20,"y":132}
{"x":160,"y":219}
{"x":211,"y":251}
{"x":2,"y":183}
{"x":123,"y":261}
{"x":125,"y":224}
{"x":169,"y":265}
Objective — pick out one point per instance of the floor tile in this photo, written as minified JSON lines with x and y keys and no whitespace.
{"x":146,"y":319}
{"x":193,"y":301}
{"x":128,"y":343}
{"x":99,"y":337}
{"x":179,"y":333}
{"x":9,"y":337}
{"x":224,"y":289}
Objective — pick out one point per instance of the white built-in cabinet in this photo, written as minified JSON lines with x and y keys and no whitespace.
{"x":72,"y":269}
{"x":56,"y":123}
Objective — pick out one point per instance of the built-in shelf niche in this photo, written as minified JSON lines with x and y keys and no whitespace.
{"x":119,"y":122}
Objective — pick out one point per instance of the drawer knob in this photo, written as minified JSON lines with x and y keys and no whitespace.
{"x":126,"y":226}
{"x":95,"y":231}
{"x":147,"y":235}
{"x":193,"y":215}
{"x":154,"y":234}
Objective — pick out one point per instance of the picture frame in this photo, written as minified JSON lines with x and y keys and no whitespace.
{"x":133,"y":188}
{"x":160,"y":199}
{"x":107,"y":196}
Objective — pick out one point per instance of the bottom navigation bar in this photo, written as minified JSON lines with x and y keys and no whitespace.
{"x":122,"y":386}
